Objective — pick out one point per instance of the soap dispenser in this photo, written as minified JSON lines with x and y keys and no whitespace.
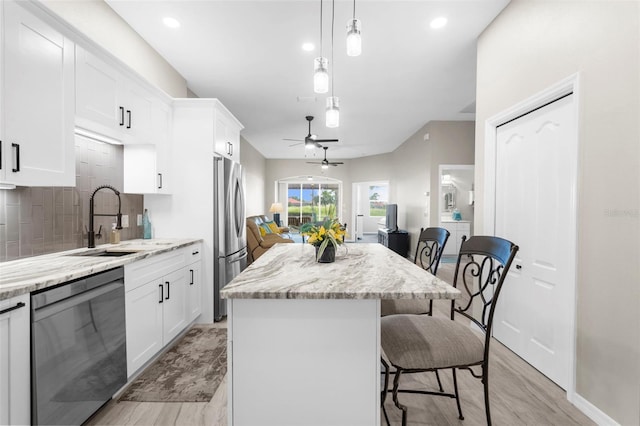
{"x":146,"y":225}
{"x":115,"y":234}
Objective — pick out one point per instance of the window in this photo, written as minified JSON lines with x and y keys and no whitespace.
{"x":312,"y":202}
{"x":378,"y":198}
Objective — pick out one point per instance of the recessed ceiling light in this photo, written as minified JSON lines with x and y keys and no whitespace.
{"x":439,"y":22}
{"x":308,"y":47}
{"x":171,"y":22}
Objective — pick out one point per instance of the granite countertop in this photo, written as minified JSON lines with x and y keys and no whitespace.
{"x":34,"y":273}
{"x":361,"y":271}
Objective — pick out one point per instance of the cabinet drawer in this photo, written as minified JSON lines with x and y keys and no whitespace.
{"x":194,"y":253}
{"x":144,"y":271}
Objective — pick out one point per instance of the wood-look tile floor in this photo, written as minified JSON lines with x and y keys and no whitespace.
{"x":520,"y":395}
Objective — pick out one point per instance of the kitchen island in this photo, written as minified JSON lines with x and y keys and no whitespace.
{"x":304,"y":337}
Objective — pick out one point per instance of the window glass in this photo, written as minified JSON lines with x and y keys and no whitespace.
{"x":378,"y":198}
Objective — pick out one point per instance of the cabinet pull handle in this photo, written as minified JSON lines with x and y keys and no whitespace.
{"x":194,"y":253}
{"x":161,"y":292}
{"x":168,"y":288}
{"x":518,"y":266}
{"x":16,"y":146}
{"x":0,"y":155}
{"x":121,"y":116}
{"x":191,"y":270}
{"x":159,"y":180}
{"x":21,"y":304}
{"x":129,"y":116}
{"x":231,"y":149}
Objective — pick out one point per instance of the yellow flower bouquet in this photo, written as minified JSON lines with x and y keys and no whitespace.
{"x":326,"y":238}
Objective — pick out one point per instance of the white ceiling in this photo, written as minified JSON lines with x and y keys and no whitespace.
{"x":248,"y":54}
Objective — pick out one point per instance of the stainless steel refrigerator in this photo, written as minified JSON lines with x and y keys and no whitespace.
{"x":230,"y":239}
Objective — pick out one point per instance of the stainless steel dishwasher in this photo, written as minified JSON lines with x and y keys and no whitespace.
{"x":78,"y":352}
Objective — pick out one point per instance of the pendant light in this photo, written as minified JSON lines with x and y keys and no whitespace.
{"x":320,"y":67}
{"x":333,"y":103}
{"x":354,"y":41}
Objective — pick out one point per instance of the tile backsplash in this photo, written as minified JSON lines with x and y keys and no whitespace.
{"x":40,"y":220}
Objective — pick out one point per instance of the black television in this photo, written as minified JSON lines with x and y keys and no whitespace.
{"x":392,"y":217}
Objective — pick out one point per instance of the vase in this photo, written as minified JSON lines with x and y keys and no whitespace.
{"x":329,"y":254}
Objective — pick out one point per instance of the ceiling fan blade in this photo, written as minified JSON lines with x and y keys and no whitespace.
{"x":295,"y":144}
{"x":335,"y":163}
{"x":295,"y":140}
{"x":315,"y":162}
{"x":326,"y":140}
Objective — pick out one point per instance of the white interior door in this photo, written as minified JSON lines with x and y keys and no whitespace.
{"x":535,"y":177}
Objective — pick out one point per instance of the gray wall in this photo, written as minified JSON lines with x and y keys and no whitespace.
{"x":415,"y":170}
{"x":530,"y":46}
{"x":40,"y":220}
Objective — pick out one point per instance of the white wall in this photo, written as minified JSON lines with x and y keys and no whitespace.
{"x":530,"y":46}
{"x":254,"y":165}
{"x":102,"y":25}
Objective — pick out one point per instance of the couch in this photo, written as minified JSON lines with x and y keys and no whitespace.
{"x":258,"y":244}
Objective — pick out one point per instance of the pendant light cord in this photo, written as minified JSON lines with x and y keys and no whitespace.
{"x":354,"y":9}
{"x":321,"y":28}
{"x":333,"y":64}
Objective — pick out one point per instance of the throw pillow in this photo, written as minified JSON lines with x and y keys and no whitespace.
{"x":262,"y":231}
{"x":274,"y":228}
{"x":266,"y":228}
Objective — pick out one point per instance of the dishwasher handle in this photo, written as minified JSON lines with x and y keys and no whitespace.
{"x":57,"y":307}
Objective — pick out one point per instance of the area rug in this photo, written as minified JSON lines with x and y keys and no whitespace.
{"x":190,"y":371}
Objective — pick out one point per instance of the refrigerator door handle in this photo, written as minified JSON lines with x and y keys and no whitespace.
{"x":238,"y":259}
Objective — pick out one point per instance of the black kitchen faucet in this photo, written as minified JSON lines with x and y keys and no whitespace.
{"x":91,"y":233}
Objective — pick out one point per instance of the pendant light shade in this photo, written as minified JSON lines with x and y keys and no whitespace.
{"x":320,"y":75}
{"x":333,"y":111}
{"x":354,"y":41}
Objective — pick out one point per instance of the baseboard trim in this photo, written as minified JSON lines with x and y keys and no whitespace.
{"x":593,"y":412}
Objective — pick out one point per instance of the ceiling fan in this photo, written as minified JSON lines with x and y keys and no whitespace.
{"x":325,"y":163}
{"x":311,"y":141}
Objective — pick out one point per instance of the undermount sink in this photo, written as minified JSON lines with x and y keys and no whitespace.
{"x":104,"y":253}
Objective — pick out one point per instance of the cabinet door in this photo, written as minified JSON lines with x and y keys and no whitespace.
{"x":137,"y":103}
{"x":453,"y":245}
{"x":221,"y":144}
{"x":15,"y":394}
{"x":175,"y":304}
{"x":140,"y":169}
{"x":97,"y":106}
{"x":144,"y":324}
{"x":162,"y":128}
{"x":194,"y":279}
{"x":38,"y":100}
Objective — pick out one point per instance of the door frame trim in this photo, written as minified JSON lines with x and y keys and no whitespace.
{"x":557,"y":90}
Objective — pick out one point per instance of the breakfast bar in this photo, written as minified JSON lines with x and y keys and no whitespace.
{"x":304,"y":337}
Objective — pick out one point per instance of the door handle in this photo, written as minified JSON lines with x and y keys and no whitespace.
{"x":16,"y":147}
{"x":21,"y":304}
{"x":168,"y":288}
{"x":121,"y":116}
{"x":238,"y":259}
{"x":129,"y":116}
{"x":160,"y":180}
{"x":191,"y":270}
{"x":161,"y":292}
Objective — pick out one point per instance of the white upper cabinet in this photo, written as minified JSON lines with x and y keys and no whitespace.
{"x":227,"y":134}
{"x":37,"y":102}
{"x":97,"y":94}
{"x":110,"y":104}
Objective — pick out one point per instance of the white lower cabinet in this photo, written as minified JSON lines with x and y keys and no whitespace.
{"x":457,"y":229}
{"x":158,"y":300}
{"x":195,"y":289}
{"x":15,"y":373}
